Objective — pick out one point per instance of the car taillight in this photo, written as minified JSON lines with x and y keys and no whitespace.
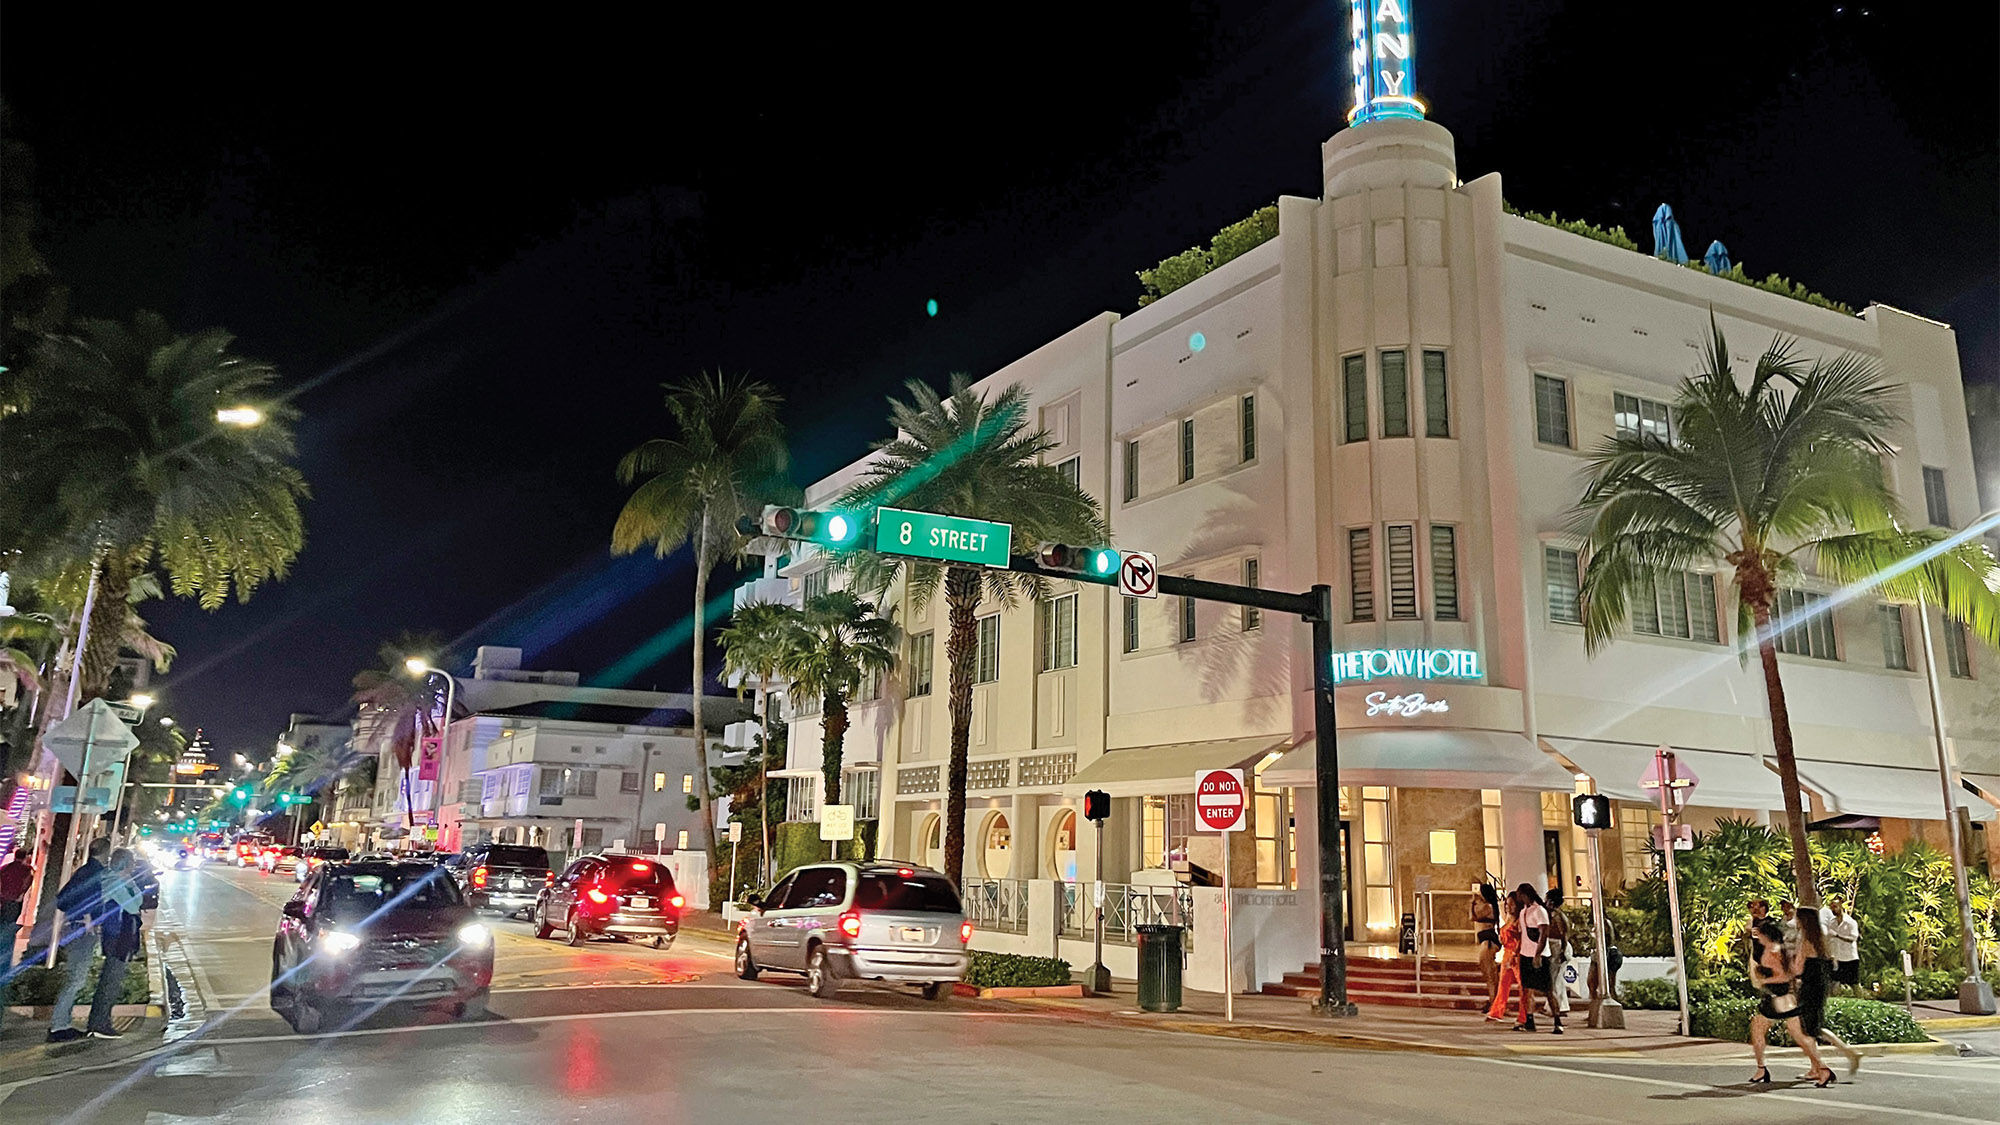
{"x":678,"y":901}
{"x":850,"y":924}
{"x":479,"y":877}
{"x":965,"y":933}
{"x":596,"y":896}
{"x":641,"y":865}
{"x":548,"y":878}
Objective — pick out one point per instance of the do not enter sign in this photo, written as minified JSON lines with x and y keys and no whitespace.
{"x":1219,"y":800}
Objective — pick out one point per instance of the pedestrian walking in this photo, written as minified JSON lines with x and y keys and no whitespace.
{"x":1843,"y":941}
{"x":1775,"y":974}
{"x":1510,"y":958}
{"x":81,"y":904}
{"x":1788,"y":920}
{"x":1559,"y":948}
{"x":1535,"y":969}
{"x":1486,"y":936}
{"x":1816,"y":972}
{"x":15,"y":879}
{"x":118,"y":937}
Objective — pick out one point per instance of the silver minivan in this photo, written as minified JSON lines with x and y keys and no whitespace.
{"x":881,"y":921}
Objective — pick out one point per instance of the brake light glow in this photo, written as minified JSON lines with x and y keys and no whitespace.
{"x":596,"y":896}
{"x":965,"y":933}
{"x":479,"y":876}
{"x":548,"y":878}
{"x":678,"y":901}
{"x":906,"y":872}
{"x":641,"y":865}
{"x":850,"y":924}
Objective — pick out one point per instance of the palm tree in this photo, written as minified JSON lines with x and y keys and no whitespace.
{"x":1767,"y":481}
{"x":832,"y":646}
{"x":966,"y":455}
{"x":725,"y":450}
{"x":753,"y":644}
{"x":116,"y":461}
{"x":407,"y":708}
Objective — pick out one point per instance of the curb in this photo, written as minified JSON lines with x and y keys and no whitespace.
{"x":1052,"y":991}
{"x":1961,"y":1023}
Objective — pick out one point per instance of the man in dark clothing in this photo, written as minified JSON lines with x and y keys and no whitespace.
{"x":15,"y":879}
{"x":82,"y":904}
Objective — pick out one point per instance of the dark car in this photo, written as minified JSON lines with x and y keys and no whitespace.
{"x":370,"y":934}
{"x":503,"y":877}
{"x":623,"y":896}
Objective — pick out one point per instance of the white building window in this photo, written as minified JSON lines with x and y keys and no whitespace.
{"x":1957,"y":656}
{"x":1559,"y":578}
{"x":1552,"y":411}
{"x":1402,"y":559}
{"x":802,"y":799}
{"x":681,"y":840}
{"x":1131,"y":470}
{"x":1895,"y":642}
{"x":1437,"y":397}
{"x":659,"y":783}
{"x":1187,"y":450}
{"x":863,"y":790}
{"x":816,"y":583}
{"x":1680,"y":604}
{"x":1058,"y":623}
{"x":687,"y":783}
{"x":1248,"y":426}
{"x":579,"y":783}
{"x":986,"y":650}
{"x":1131,"y":610}
{"x":628,"y":782}
{"x":1394,"y":367}
{"x":1633,"y":417}
{"x":1936,"y":505}
{"x":923,"y":647}
{"x":1805,"y":624}
{"x":1354,"y":397}
{"x":1361,"y":574}
{"x":1071,"y":471}
{"x":551,"y":784}
{"x":1444,"y":572}
{"x":1252,"y":574}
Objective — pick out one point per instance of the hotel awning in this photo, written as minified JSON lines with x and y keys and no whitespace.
{"x":1987,"y":785}
{"x":1728,"y":781}
{"x":1159,"y":770}
{"x":1438,"y":759}
{"x":1852,"y":787}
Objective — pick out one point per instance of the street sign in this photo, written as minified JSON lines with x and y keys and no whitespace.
{"x":836,"y":822}
{"x":659,"y":832}
{"x":1139,"y":575}
{"x":125,"y":711}
{"x":93,"y":724}
{"x":951,"y":539}
{"x":1219,"y":800}
{"x":62,"y":799}
{"x":735,"y":831}
{"x":1668,"y":771}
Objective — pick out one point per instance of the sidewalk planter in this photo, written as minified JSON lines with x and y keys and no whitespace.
{"x":1056,"y":991}
{"x":1010,"y":971}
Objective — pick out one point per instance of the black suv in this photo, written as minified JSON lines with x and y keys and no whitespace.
{"x":624,"y":896}
{"x":361,"y":935}
{"x":503,"y":877}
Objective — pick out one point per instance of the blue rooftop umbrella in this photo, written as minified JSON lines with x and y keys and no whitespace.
{"x":1717,"y":258}
{"x":1667,"y":237}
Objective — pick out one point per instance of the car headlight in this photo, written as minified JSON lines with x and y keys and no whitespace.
{"x":475,"y":935}
{"x":340,"y":941}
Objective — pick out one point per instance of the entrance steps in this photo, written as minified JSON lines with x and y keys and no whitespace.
{"x":1453,"y":985}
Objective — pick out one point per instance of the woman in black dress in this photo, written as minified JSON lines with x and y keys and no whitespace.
{"x":1814,"y":976}
{"x":1486,"y":936}
{"x":1776,"y":975}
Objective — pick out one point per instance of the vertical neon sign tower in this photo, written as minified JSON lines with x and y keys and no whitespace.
{"x":1385,"y":66}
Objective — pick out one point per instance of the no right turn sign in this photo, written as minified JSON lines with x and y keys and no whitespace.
{"x":1139,"y":575}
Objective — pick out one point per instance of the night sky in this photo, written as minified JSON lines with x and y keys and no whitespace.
{"x":476,"y":248}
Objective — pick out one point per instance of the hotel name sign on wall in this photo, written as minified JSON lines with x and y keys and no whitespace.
{"x":1364,"y":665}
{"x":1383,"y":62}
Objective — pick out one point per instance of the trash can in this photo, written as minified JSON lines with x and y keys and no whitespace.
{"x":1160,"y":968}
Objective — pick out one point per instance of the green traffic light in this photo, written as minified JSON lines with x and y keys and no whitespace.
{"x":1104,"y":561}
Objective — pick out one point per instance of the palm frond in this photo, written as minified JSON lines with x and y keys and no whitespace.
{"x":1961,"y":579}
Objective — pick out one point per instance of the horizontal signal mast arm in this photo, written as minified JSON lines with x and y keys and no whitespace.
{"x":1274,"y":601}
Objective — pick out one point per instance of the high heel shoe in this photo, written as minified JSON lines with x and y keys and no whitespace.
{"x":1825,"y":1079}
{"x":1762,"y":1077}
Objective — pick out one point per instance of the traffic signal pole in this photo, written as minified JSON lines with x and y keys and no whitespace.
{"x":1315,"y":607}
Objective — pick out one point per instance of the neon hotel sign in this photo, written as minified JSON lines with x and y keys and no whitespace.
{"x":1385,"y":68}
{"x":1406,"y":664}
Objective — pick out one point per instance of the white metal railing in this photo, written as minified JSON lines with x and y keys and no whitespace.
{"x":997,"y":904}
{"x":1128,"y":906}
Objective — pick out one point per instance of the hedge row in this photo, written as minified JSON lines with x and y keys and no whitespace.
{"x":1856,"y":1021}
{"x":34,"y":985}
{"x":1011,"y":970}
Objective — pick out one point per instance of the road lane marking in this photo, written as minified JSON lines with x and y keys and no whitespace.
{"x":1761,"y":1095}
{"x":569,"y":1017}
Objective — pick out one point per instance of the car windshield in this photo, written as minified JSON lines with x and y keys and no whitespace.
{"x":515,"y":855}
{"x":360,"y":893}
{"x":637,"y":874}
{"x":328,"y":853}
{"x":928,"y":894}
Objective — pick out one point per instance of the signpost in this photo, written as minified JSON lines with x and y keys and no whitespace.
{"x":1675,"y":784}
{"x":1139,"y":575}
{"x":88,"y":739}
{"x":952,"y":539}
{"x":735,"y":846}
{"x":1219,"y":807}
{"x":836,"y":823}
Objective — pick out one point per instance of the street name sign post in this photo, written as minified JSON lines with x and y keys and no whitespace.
{"x":1218,"y":807}
{"x":950,"y":539}
{"x":1675,"y":784}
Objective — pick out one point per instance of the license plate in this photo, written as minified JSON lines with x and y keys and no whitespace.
{"x":641,"y":903}
{"x":912,"y":933}
{"x":517,"y":884}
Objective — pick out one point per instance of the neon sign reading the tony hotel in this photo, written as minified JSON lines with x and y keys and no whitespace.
{"x":1406,"y":663}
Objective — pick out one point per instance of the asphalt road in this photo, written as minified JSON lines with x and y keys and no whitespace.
{"x":617,"y":1033}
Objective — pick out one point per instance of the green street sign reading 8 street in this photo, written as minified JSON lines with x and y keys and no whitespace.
{"x":951,"y":539}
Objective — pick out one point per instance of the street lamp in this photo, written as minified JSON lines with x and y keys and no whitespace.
{"x":241,"y":416}
{"x":166,"y":720}
{"x":419,"y":667}
{"x":1975,"y":996}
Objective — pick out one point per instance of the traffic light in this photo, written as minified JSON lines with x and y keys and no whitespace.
{"x":1090,"y":564}
{"x":1097,"y":805}
{"x":1591,"y":810}
{"x":829,"y":527}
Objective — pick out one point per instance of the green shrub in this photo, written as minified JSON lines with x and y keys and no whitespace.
{"x":1655,"y":992}
{"x":1229,"y":243}
{"x":1638,"y":932}
{"x":1727,"y":982}
{"x":1614,"y":236}
{"x":1856,"y":1021}
{"x":1925,"y":984}
{"x":1011,"y":970}
{"x":35,"y":985}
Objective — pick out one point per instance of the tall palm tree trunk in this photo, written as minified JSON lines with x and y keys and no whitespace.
{"x":107,"y":626}
{"x":764,"y":772}
{"x":701,"y":572}
{"x":961,"y":594}
{"x":833,"y":732}
{"x":1781,"y":739}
